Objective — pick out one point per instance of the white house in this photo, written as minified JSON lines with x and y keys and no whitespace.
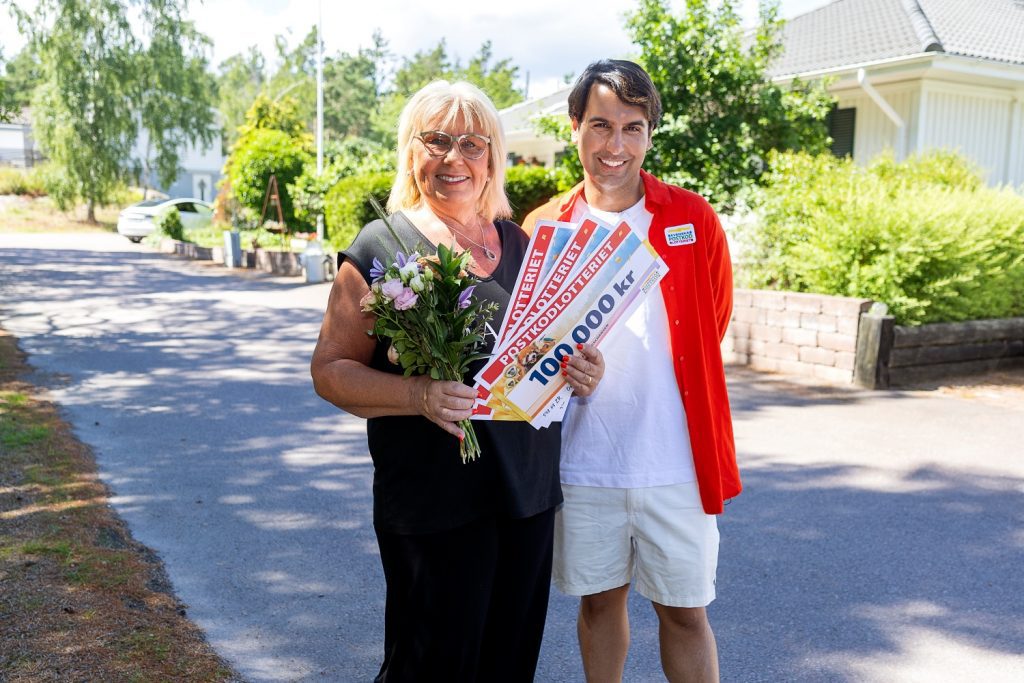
{"x":519,"y":122}
{"x":907,"y":75}
{"x":17,"y":148}
{"x":913,"y":75}
{"x":200,"y":169}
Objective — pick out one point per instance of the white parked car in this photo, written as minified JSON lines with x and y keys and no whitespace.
{"x":136,"y":221}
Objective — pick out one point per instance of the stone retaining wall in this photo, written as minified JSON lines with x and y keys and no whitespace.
{"x":803,"y":334}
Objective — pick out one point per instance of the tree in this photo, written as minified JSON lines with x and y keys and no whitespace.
{"x":7,"y":98}
{"x":722,"y":112}
{"x":257,"y":156}
{"x":272,"y":141}
{"x":425,"y":66}
{"x":100,"y":84}
{"x":84,"y":118}
{"x":239,"y":82}
{"x":498,"y":81}
{"x":20,"y":76}
{"x":280,"y":114}
{"x":175,"y":104}
{"x":352,"y":88}
{"x":295,"y":76}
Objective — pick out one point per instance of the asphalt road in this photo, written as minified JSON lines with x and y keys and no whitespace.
{"x":880,"y":537}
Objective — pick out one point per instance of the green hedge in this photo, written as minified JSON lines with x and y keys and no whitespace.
{"x":924,"y":236}
{"x":347,"y":207}
{"x":528,"y":187}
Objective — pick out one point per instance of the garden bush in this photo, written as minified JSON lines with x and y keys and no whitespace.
{"x":168,"y":222}
{"x":349,"y":157}
{"x":259,"y":154}
{"x":28,"y":182}
{"x":924,"y":236}
{"x":528,"y":187}
{"x":347,"y":206}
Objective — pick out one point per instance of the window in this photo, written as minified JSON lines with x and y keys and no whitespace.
{"x":841,"y":124}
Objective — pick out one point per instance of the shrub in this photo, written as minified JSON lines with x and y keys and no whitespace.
{"x":924,"y":236}
{"x":347,"y":207}
{"x":59,"y":186}
{"x":28,"y":182}
{"x":12,"y":181}
{"x":125,"y":195}
{"x":168,"y":222}
{"x":258,"y":155}
{"x":343,"y":159}
{"x":528,"y":187}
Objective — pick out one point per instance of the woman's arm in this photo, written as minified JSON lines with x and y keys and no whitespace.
{"x":341,"y":372}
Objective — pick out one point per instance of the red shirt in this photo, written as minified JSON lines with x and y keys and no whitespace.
{"x":698,"y":297}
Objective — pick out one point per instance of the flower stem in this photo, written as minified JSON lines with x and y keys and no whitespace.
{"x":470,"y":447}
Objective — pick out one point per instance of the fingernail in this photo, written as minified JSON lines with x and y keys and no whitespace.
{"x":461,"y":437}
{"x":579,"y":346}
{"x":564,"y":373}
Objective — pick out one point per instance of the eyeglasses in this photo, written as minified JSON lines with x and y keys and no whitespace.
{"x":439,"y":143}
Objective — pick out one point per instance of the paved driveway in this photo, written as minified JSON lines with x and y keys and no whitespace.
{"x":880,"y":537}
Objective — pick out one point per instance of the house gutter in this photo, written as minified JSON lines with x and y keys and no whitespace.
{"x":865,"y":84}
{"x":907,"y":60}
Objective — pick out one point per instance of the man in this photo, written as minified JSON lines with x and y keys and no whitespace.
{"x":649,"y":459}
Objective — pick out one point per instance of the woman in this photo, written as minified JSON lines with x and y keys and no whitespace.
{"x":466,"y":548}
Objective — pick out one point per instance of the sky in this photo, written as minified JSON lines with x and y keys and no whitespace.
{"x":546,"y":40}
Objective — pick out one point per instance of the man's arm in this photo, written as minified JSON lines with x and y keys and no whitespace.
{"x":720,"y":265}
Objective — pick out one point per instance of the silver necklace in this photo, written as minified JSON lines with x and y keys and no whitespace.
{"x":487,"y":252}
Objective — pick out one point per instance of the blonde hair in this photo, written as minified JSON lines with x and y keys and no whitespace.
{"x":435,"y":106}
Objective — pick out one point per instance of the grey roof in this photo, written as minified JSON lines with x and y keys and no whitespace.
{"x":847,"y":32}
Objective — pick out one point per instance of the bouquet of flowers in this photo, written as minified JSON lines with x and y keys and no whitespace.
{"x":425,"y":306}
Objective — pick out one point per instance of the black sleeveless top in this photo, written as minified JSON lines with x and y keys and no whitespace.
{"x":420,"y":484}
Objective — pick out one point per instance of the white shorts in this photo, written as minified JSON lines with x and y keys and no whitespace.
{"x":659,"y":538}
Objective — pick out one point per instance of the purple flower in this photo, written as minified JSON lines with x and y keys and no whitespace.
{"x":464,"y":297}
{"x":405,"y":300}
{"x":400,"y":259}
{"x":391,"y":289}
{"x":377,"y":271}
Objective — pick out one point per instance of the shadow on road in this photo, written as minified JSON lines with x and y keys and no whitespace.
{"x":839,"y":576}
{"x":193,"y":389}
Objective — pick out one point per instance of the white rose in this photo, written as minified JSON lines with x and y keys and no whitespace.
{"x":417,"y":284}
{"x":409,"y":270}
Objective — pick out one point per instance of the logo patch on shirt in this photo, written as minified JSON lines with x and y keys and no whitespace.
{"x":681,"y":235}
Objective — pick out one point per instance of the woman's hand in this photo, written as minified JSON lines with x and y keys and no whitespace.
{"x":584,"y":369}
{"x":443,"y":403}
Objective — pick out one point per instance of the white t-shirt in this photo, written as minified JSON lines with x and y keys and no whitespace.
{"x":631,"y":432}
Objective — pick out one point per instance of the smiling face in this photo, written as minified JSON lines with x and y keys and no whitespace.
{"x":451,"y":185}
{"x":613,"y":138}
